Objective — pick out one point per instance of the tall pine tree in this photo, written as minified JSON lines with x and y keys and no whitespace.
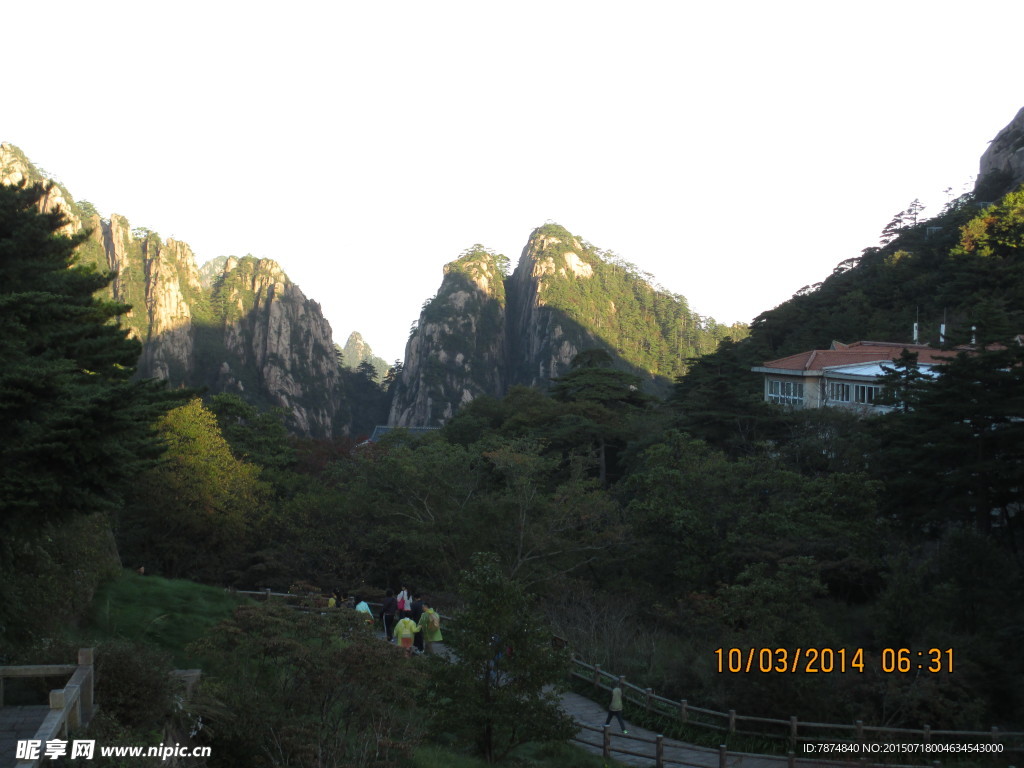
{"x":74,"y":424}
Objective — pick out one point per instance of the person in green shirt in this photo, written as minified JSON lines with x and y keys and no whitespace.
{"x":615,"y":707}
{"x":430,"y":625}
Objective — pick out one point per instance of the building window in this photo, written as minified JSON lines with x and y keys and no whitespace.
{"x":865,"y":393}
{"x":838,"y":392}
{"x":786,"y":392}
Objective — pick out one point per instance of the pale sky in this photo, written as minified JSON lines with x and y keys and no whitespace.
{"x":736,"y":150}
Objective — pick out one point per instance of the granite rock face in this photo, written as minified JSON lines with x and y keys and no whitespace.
{"x":457,"y":351}
{"x":543,"y":343}
{"x":484,"y":332}
{"x":357,"y":351}
{"x":1002,"y":165}
{"x":238,"y":326}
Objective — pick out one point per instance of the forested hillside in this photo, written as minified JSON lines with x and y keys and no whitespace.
{"x":652,"y":533}
{"x":958,"y":268}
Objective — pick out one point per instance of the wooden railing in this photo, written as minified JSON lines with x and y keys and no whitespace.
{"x":71,"y":707}
{"x":724,"y":756}
{"x":793,"y":731}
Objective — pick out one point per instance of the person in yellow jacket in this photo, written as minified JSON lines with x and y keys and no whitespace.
{"x":404,"y":630}
{"x":430,"y":625}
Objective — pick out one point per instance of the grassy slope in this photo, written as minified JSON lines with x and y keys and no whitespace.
{"x":165,"y":613}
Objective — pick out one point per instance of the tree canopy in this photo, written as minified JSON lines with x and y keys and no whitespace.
{"x":74,"y":424}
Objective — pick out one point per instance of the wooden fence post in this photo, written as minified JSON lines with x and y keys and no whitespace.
{"x":659,"y":751}
{"x":74,"y":717}
{"x":606,"y":741}
{"x":721,"y":756}
{"x":597,"y":676}
{"x":790,"y":760}
{"x":87,"y":658}
{"x":860,"y":731}
{"x":732,"y":721}
{"x":57,"y":701}
{"x":927,"y":734}
{"x":995,"y":734}
{"x":793,"y":729}
{"x":683,"y":714}
{"x":1,"y":690}
{"x":647,"y":699}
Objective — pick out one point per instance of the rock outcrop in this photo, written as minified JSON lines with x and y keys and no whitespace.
{"x":275,"y":346}
{"x":239,"y":325}
{"x":1002,"y":165}
{"x":483,"y":333}
{"x":542,"y":338}
{"x":356,"y":352}
{"x":457,"y":351}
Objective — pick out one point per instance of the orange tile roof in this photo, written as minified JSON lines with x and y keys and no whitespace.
{"x":858,"y":352}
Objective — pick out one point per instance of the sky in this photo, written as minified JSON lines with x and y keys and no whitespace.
{"x":735,"y":150}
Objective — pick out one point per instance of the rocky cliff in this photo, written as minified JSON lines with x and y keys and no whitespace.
{"x":356,"y":352}
{"x":483,"y":333}
{"x":544,"y":337}
{"x":457,"y":351}
{"x":1002,"y":165}
{"x":240,"y":326}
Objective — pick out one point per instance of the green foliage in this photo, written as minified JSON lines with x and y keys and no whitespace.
{"x":712,"y":518}
{"x":356,"y":352}
{"x":622,"y":309}
{"x":530,"y":755}
{"x":961,"y":592}
{"x":946,"y":269}
{"x":48,"y":575}
{"x":87,"y":210}
{"x":501,"y":689}
{"x":717,"y":402}
{"x":415,"y":508}
{"x":133,"y":683}
{"x":74,"y":425}
{"x":543,"y":522}
{"x":287,"y":688}
{"x":256,"y":436}
{"x":190,"y":514}
{"x":964,"y":427}
{"x":599,"y":403}
{"x":160,"y":613}
{"x":367,"y":398}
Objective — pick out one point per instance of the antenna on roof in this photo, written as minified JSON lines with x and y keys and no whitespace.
{"x":942,"y":329}
{"x":916,"y":319}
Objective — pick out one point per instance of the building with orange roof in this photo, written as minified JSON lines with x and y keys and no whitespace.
{"x":845,"y":375}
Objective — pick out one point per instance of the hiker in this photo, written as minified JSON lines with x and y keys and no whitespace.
{"x":430,"y":624}
{"x":364,"y":608}
{"x":405,"y":629}
{"x":615,"y":707}
{"x":415,"y":612}
{"x":387,"y":614}
{"x":404,"y":600}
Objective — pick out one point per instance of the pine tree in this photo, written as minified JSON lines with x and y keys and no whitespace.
{"x":502,"y":688}
{"x":74,"y":425}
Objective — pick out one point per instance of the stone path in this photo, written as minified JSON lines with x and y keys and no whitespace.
{"x":18,"y":724}
{"x":676,"y":753}
{"x":585,"y":711}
